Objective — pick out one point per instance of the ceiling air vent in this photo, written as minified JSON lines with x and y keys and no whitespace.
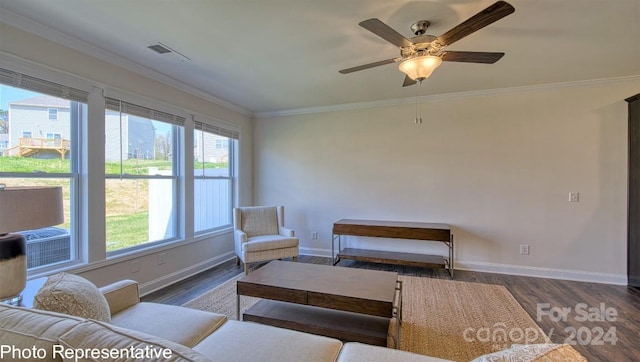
{"x":164,"y":49}
{"x":159,"y":49}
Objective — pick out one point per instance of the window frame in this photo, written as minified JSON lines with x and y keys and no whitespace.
{"x":175,"y":176}
{"x":76,"y":124}
{"x":231,"y":136}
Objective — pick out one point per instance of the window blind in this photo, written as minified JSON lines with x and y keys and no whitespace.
{"x":28,"y":82}
{"x":220,"y":131}
{"x":142,"y":111}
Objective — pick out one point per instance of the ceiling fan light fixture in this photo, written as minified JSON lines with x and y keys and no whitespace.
{"x":419,"y":68}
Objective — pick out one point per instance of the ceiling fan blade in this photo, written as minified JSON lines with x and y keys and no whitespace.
{"x":408,"y":81}
{"x":487,"y":16}
{"x":370,"y":65}
{"x":471,"y":57}
{"x":384,"y":31}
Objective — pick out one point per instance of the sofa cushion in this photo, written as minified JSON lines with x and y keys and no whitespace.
{"x":105,"y":338}
{"x":246,"y":341}
{"x":546,"y":352}
{"x":178,"y":324}
{"x":28,"y":328}
{"x":73,"y":295}
{"x":269,"y":242}
{"x":355,"y":352}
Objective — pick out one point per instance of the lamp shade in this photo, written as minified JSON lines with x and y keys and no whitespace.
{"x":419,"y":68}
{"x":27,"y":208}
{"x":23,"y":208}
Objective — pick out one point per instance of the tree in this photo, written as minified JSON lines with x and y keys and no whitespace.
{"x":4,"y":124}
{"x":163,"y":146}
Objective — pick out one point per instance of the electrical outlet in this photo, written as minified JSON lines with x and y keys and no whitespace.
{"x":162,"y":258}
{"x":314,"y":235}
{"x":524,"y":249}
{"x":135,"y":266}
{"x":574,"y":196}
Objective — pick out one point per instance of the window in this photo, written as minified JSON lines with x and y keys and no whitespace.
{"x":222,"y":143}
{"x":35,"y":163}
{"x":54,"y":136}
{"x":214,"y":171}
{"x":53,"y":114}
{"x":141,"y":175}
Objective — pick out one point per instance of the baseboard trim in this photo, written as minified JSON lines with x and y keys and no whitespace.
{"x":166,"y":280}
{"x":316,"y":252}
{"x":527,"y":271}
{"x":539,"y":272}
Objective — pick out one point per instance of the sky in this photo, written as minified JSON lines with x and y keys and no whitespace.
{"x":10,"y":94}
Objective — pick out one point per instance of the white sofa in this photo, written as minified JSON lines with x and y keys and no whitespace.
{"x":164,"y":332}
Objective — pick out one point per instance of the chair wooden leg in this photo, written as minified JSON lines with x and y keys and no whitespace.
{"x":246,"y":268}
{"x":295,"y":258}
{"x":237,"y":260}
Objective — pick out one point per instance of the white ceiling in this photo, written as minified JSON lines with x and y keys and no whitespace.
{"x":271,"y":55}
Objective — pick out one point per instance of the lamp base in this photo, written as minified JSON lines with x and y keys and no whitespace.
{"x":17,"y":300}
{"x":13,"y":266}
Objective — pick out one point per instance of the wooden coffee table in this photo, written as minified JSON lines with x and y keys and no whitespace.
{"x":344,"y":303}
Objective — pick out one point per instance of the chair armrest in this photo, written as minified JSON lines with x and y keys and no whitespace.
{"x":286,"y":231}
{"x":121,"y":295}
{"x":239,"y":236}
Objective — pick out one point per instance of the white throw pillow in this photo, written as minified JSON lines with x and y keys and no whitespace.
{"x":73,"y":295}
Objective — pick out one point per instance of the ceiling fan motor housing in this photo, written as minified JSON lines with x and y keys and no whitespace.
{"x":420,"y":27}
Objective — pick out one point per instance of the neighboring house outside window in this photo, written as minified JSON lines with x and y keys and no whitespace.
{"x":26,"y":134}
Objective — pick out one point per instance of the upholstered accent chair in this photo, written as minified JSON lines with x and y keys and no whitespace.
{"x":260,"y":235}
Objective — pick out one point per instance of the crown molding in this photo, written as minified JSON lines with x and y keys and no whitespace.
{"x":439,"y":97}
{"x":18,"y":21}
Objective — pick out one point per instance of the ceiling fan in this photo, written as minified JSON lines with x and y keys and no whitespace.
{"x":421,"y":54}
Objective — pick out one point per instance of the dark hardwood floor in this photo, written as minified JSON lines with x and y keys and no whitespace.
{"x":603,"y":322}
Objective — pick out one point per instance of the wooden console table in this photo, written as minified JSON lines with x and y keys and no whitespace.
{"x":393,"y":229}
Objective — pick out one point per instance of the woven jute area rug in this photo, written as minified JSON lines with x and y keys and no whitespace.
{"x":441,"y":318}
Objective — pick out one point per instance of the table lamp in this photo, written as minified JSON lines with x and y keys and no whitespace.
{"x":23,"y":208}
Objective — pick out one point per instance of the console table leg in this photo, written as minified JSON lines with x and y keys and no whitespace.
{"x":335,"y":259}
{"x":451,"y":257}
{"x":238,"y":307}
{"x":398,"y":313}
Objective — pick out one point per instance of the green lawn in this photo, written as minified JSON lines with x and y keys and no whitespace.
{"x":127,"y":230}
{"x":126,"y":225}
{"x":131,"y":167}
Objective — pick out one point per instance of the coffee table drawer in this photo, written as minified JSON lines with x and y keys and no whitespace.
{"x":271,"y":292}
{"x":350,"y":304}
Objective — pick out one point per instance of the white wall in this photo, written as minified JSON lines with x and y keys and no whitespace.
{"x":181,"y":259}
{"x":498,"y":167}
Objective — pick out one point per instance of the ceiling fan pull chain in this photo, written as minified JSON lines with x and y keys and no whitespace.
{"x":418,"y":119}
